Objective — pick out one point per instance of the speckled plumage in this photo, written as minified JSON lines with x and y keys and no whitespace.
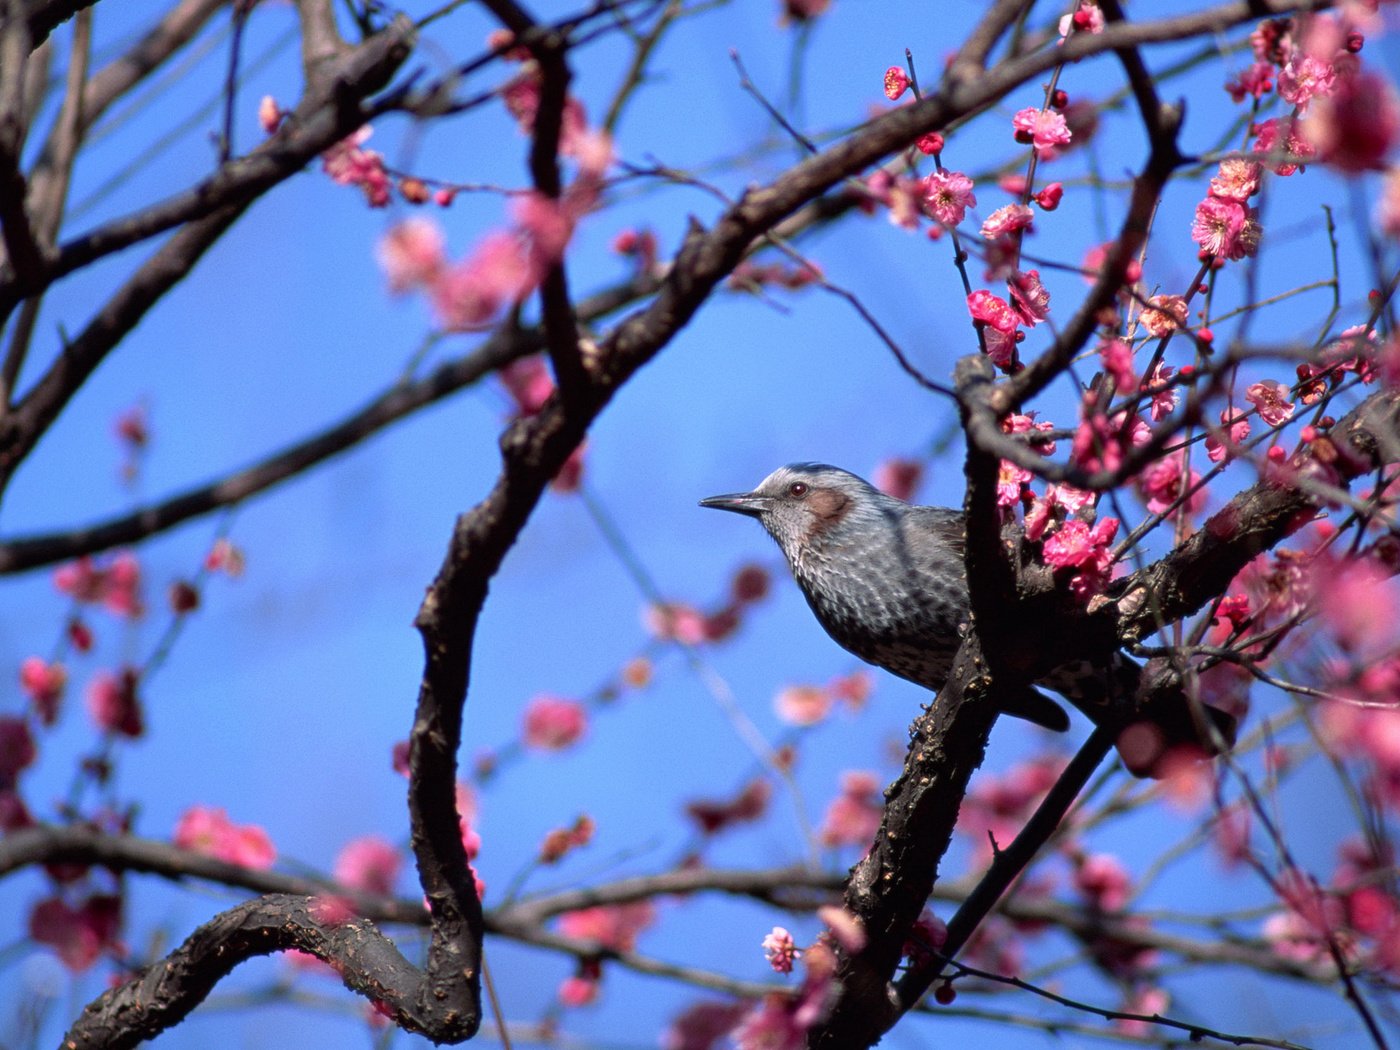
{"x":886,"y":579}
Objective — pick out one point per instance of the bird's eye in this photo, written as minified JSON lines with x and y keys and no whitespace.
{"x":797,"y":489}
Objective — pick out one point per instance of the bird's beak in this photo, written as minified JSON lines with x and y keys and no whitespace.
{"x":750,"y":503}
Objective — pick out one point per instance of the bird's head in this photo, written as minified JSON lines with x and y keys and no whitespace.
{"x":804,"y":505}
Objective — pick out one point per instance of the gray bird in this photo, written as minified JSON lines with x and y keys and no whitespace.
{"x":887,"y":580}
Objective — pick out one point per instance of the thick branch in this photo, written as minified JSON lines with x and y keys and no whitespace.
{"x":165,"y":993}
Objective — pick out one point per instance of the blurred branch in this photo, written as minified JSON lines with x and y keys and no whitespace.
{"x":508,"y":343}
{"x":329,"y":111}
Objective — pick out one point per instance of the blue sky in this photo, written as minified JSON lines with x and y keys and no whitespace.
{"x":285,"y":693}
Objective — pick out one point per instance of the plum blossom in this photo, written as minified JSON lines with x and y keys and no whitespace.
{"x":1029,"y":298}
{"x":78,"y":935}
{"x":1271,"y":398}
{"x":1304,"y":78}
{"x":1164,"y":315}
{"x":1103,"y":881}
{"x":411,"y":254}
{"x":1168,"y":480}
{"x":1285,"y":151}
{"x":714,"y":815}
{"x":803,"y":705}
{"x":1255,"y":81}
{"x":896,"y":82}
{"x":1356,"y":128}
{"x":207,"y":830}
{"x":1044,"y":128}
{"x":780,"y":950}
{"x":1006,"y":220}
{"x":853,"y":816}
{"x":43,"y":683}
{"x":1236,"y":180}
{"x":349,"y":164}
{"x":898,"y":477}
{"x":1076,"y":544}
{"x":1222,"y":443}
{"x":947,"y":195}
{"x":1011,"y":479}
{"x":113,"y":704}
{"x":553,"y":723}
{"x":370,"y":864}
{"x":1117,"y":357}
{"x":17,"y":750}
{"x":1225,"y":228}
{"x":614,"y":926}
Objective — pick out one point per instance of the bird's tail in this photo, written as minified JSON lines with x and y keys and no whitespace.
{"x":1035,"y":706}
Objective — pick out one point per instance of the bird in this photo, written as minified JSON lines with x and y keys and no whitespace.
{"x":887,"y":581}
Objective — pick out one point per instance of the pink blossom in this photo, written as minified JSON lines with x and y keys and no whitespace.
{"x":1357,"y":127}
{"x":714,"y":815}
{"x":1230,"y":836}
{"x":1149,"y":1001}
{"x":207,"y":830}
{"x":1001,"y":348}
{"x":270,"y":114}
{"x":499,"y":273}
{"x":803,"y":705}
{"x":993,"y":311}
{"x":113,"y":704}
{"x":1103,"y":881}
{"x":1006,"y":220}
{"x":370,"y":864}
{"x":224,"y":556}
{"x":1286,"y":150}
{"x":1010,"y":481}
{"x":1045,"y":128}
{"x":553,"y":723}
{"x":896,"y":82}
{"x":772,"y":1025}
{"x":675,"y":622}
{"x":1222,"y":444}
{"x":845,"y":927}
{"x":1025,"y":423}
{"x":43,"y":683}
{"x":1166,"y":481}
{"x":411,"y":254}
{"x":1304,"y":78}
{"x":1219,"y":228}
{"x":898,"y":477}
{"x":529,"y":384}
{"x":349,"y":165}
{"x":1077,"y":545}
{"x":1271,"y":398}
{"x":116,"y":584}
{"x":751,"y":583}
{"x":1049,"y":197}
{"x":1094,"y":260}
{"x":1236,"y":180}
{"x":17,"y":750}
{"x":614,"y":926}
{"x":703,"y":1025}
{"x":78,"y":935}
{"x":853,"y":816}
{"x":947,"y":195}
{"x":568,"y":479}
{"x":579,"y":990}
{"x":1256,"y":81}
{"x":780,"y":950}
{"x":1357,"y":602}
{"x":905,"y":200}
{"x":1388,"y":207}
{"x":1164,"y":314}
{"x":1117,"y":357}
{"x":930,"y":144}
{"x":1029,"y":298}
{"x":1087,"y":18}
